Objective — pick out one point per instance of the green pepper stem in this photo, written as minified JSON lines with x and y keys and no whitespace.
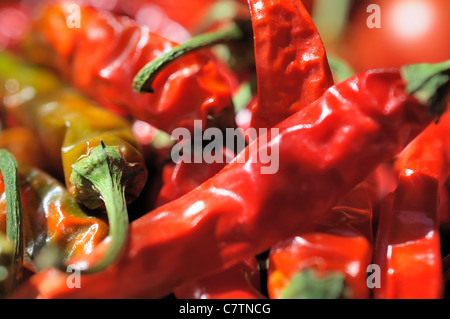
{"x":307,"y":284}
{"x":102,"y":170}
{"x":340,"y":68}
{"x":429,"y":83}
{"x":14,"y":220}
{"x":144,"y":79}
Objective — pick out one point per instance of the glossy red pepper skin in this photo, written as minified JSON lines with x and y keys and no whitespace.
{"x":408,"y":240}
{"x":341,"y":243}
{"x":241,"y":212}
{"x":291,"y":62}
{"x":180,"y":178}
{"x":408,"y":244}
{"x":309,"y":4}
{"x":241,"y":281}
{"x":426,"y":148}
{"x":382,"y":181}
{"x":102,"y":57}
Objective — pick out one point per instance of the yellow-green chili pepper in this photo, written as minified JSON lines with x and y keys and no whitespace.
{"x":92,"y":149}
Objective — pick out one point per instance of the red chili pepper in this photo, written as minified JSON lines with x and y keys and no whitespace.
{"x":331,"y":260}
{"x":309,"y":4}
{"x":102,"y":57}
{"x":444,"y":186}
{"x":291,"y":62}
{"x":408,"y":247}
{"x":241,"y":281}
{"x":181,"y":177}
{"x":382,"y":181}
{"x":325,"y":150}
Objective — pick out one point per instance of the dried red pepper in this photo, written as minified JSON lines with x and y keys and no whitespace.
{"x":382,"y":181}
{"x":408,"y":244}
{"x":269,"y":77}
{"x":291,"y":62}
{"x":241,"y":212}
{"x":444,"y":182}
{"x":331,"y":260}
{"x":102,"y":57}
{"x":181,"y":177}
{"x":241,"y":281}
{"x":408,"y":248}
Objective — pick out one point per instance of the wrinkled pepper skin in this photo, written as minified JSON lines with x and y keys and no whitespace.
{"x":102,"y":57}
{"x":408,"y":247}
{"x":341,"y":243}
{"x":291,"y":62}
{"x":68,"y":126}
{"x":241,"y":281}
{"x":240,"y":212}
{"x":52,"y":217}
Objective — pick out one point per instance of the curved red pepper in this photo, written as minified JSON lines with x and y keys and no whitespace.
{"x":181,"y":177}
{"x":441,"y":135}
{"x":382,"y":181}
{"x":241,"y":281}
{"x":102,"y":57}
{"x":408,"y":241}
{"x":291,"y":62}
{"x":241,"y":212}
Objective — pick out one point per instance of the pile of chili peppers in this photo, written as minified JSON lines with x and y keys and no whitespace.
{"x":358,"y":205}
